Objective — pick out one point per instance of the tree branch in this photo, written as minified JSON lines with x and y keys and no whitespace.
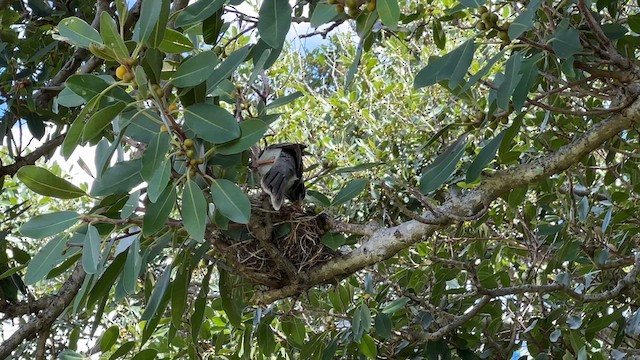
{"x":45,"y":318}
{"x":32,"y":157}
{"x":386,"y":242}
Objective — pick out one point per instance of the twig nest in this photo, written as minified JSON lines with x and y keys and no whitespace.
{"x":276,"y":247}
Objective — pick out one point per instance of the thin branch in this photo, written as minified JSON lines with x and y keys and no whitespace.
{"x":32,"y":157}
{"x":455,"y":323}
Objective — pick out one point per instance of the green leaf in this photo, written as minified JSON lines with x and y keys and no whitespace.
{"x":389,"y":12}
{"x":361,"y":322}
{"x":194,"y":210}
{"x":160,"y":27}
{"x":132,"y":267}
{"x":68,"y":354}
{"x":566,"y":43}
{"x":251,"y":130}
{"x":146,"y":354}
{"x":143,"y":126}
{"x":77,"y":32}
{"x":100,"y":120}
{"x":91,"y":250}
{"x":294,"y":328}
{"x":482,"y":72}
{"x":395,"y":305}
{"x":607,"y":220}
{"x":227,"y":67}
{"x":149,"y":15}
{"x":123,"y":350}
{"x":74,"y":135}
{"x":131,"y":205}
{"x":529,"y":74}
{"x":439,"y":36}
{"x":485,"y":156}
{"x":350,"y":191}
{"x":111,"y":36}
{"x":197,"y":12}
{"x":383,"y":324}
{"x":154,"y":155}
{"x":212,"y":123}
{"x":69,"y":99}
{"x":106,"y":281}
{"x":266,"y":340}
{"x":353,"y":68}
{"x":274,"y":22}
{"x":195,"y":69}
{"x":45,"y":225}
{"x":442,"y":167}
{"x":231,"y":296}
{"x":284,"y":100}
{"x":634,"y":23}
{"x":157,"y":294}
{"x":158,"y":212}
{"x":119,"y":178}
{"x":91,"y":86}
{"x":200,"y":304}
{"x":463,"y":58}
{"x":524,"y":21}
{"x":158,"y":181}
{"x":179,"y":291}
{"x":45,"y":183}
{"x":109,"y":338}
{"x":452,"y":66}
{"x":512,"y":78}
{"x":46,"y":259}
{"x":333,"y":240}
{"x":323,"y":13}
{"x":368,"y":347}
{"x":231,"y":201}
{"x":175,"y":42}
{"x":472,"y":3}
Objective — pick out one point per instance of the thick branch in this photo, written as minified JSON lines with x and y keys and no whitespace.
{"x":386,"y":242}
{"x":45,"y":318}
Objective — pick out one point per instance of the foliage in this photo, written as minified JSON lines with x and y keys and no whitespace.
{"x":472,"y":178}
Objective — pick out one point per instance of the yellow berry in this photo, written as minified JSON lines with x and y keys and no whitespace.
{"x":163,"y":128}
{"x":121,"y":71}
{"x":172,"y":108}
{"x":481,"y":26}
{"x":128,"y":76}
{"x":193,"y":162}
{"x":503,"y":35}
{"x":188,"y":143}
{"x":200,"y":161}
{"x":371,"y":5}
{"x":482,"y":9}
{"x":190,"y":153}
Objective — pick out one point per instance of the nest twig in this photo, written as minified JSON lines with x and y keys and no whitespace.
{"x":277,"y":247}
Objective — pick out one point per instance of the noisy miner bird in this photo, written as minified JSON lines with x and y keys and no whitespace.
{"x":280,"y":168}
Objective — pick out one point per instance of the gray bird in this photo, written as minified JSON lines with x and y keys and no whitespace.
{"x":280,"y":168}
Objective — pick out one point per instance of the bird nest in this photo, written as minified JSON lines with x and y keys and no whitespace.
{"x":276,"y":247}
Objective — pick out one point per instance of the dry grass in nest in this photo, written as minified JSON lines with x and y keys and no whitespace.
{"x":277,"y":246}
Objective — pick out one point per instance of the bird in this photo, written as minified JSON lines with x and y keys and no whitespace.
{"x":280,"y":168}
